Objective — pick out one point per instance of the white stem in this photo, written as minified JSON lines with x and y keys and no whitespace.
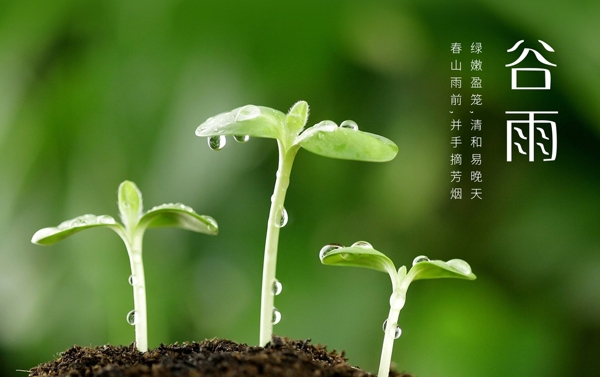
{"x":139,"y":291}
{"x":282,"y":182}
{"x":396,"y":304}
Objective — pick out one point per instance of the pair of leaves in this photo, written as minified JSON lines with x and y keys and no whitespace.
{"x":134,"y":219}
{"x":362,"y":254}
{"x":325,"y":138}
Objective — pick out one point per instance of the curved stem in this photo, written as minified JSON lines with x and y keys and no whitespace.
{"x":396,"y":304}
{"x":134,"y":249}
{"x":286,"y":160}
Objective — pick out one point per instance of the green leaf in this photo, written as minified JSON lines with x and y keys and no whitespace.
{"x":179,"y":216}
{"x":357,"y":256}
{"x":255,"y":121}
{"x":436,"y":269}
{"x":52,"y":235}
{"x":130,"y":204}
{"x":327,"y":139}
{"x":296,"y":118}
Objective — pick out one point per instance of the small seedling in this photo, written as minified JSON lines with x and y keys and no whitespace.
{"x":135,"y":223}
{"x":325,"y":138}
{"x":362,"y":254}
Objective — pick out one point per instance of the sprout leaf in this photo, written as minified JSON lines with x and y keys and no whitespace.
{"x":327,"y":139}
{"x":435,"y":269}
{"x":52,"y":235}
{"x":355,"y":256}
{"x":255,"y":121}
{"x":179,"y":216}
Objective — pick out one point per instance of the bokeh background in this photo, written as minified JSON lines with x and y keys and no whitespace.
{"x":96,"y":92}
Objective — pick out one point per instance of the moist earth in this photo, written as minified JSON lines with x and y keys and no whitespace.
{"x":215,"y":357}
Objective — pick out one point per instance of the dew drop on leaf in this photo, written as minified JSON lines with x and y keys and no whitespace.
{"x":325,"y":250}
{"x":363,"y":244}
{"x":216,"y":143}
{"x":460,"y":266}
{"x":241,"y":138}
{"x":276,"y":316}
{"x":419,"y":259}
{"x":131,"y":317}
{"x":349,"y":124}
{"x":277,"y":287}
{"x":103,"y":219}
{"x":246,"y":113}
{"x":397,"y":333}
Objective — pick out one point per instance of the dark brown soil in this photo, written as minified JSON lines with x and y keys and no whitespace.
{"x":215,"y":357}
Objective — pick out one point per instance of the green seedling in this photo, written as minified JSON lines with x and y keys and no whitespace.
{"x":326,"y":138}
{"x":135,"y":223}
{"x":362,"y":254}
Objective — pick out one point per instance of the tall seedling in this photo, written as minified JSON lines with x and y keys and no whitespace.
{"x":326,"y":138}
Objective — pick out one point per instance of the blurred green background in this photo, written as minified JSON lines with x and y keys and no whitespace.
{"x":96,"y":92}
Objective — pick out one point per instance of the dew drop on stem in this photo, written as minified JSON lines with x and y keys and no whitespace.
{"x":325,"y":250}
{"x":419,"y":259}
{"x":398,"y":331}
{"x":349,"y":124}
{"x":241,"y":138}
{"x":216,"y":143}
{"x":276,"y":316}
{"x":277,"y":287}
{"x":282,"y":218}
{"x":132,"y":280}
{"x":131,"y":317}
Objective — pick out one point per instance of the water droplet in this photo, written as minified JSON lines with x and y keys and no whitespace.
{"x":212,"y":223}
{"x":350,"y":124}
{"x":282,"y":218}
{"x":419,"y":259}
{"x":325,"y":250}
{"x":77,"y":222}
{"x":216,"y":143}
{"x":241,"y":138}
{"x":103,"y":219}
{"x":276,"y":316}
{"x":247,"y":112}
{"x":363,"y":244}
{"x":184,"y":207}
{"x":132,"y":280}
{"x":131,"y":317}
{"x":398,"y":331}
{"x":277,"y":287}
{"x":460,"y":266}
{"x":348,"y":256}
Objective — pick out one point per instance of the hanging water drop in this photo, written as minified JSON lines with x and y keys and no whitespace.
{"x":325,"y":250}
{"x":282,"y":218}
{"x":419,"y":259}
{"x":349,"y":124}
{"x":397,"y":332}
{"x":216,"y":143}
{"x":277,"y":287}
{"x":276,"y":316}
{"x":131,"y":317}
{"x":241,"y":138}
{"x":363,"y":244}
{"x":132,"y":280}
